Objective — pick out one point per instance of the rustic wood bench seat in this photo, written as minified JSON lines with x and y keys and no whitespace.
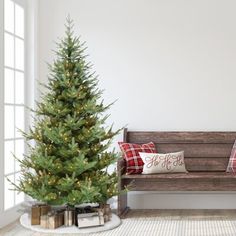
{"x":182,"y":182}
{"x":206,"y":158}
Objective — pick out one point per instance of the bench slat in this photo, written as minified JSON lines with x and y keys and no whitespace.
{"x":184,"y":184}
{"x":197,"y":150}
{"x":190,"y":175}
{"x":199,"y":164}
{"x":181,"y":137}
{"x":206,"y":164}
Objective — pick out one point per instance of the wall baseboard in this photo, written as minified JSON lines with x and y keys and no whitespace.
{"x":182,"y":200}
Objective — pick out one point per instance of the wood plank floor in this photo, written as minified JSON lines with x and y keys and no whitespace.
{"x":15,"y":229}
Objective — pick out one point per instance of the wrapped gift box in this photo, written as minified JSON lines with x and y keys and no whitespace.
{"x":44,"y":221}
{"x":80,"y":209}
{"x":35,"y":215}
{"x":55,"y":219}
{"x":106,"y":209}
{"x":90,"y":219}
{"x":44,"y":209}
{"x":69,"y":217}
{"x":37,"y":211}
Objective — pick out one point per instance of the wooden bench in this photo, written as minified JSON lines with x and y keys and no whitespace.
{"x":206,"y":158}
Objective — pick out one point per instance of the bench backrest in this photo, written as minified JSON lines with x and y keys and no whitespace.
{"x":203,"y":151}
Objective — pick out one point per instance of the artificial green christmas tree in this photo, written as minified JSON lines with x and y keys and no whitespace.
{"x":68,"y":163}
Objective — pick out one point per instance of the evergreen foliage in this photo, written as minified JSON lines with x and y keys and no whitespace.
{"x":68,"y":163}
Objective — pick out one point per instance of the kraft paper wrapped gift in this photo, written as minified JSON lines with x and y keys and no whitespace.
{"x":38,"y":210}
{"x":35,"y":215}
{"x":44,"y":221}
{"x":55,"y":220}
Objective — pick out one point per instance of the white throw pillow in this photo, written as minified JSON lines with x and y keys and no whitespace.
{"x":155,"y":163}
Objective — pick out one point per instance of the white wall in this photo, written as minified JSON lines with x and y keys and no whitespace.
{"x":171,"y":64}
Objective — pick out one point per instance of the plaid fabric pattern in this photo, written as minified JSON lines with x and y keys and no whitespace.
{"x":134,"y":163}
{"x":232,"y":160}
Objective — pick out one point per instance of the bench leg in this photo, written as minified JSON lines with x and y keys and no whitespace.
{"x":122,"y":205}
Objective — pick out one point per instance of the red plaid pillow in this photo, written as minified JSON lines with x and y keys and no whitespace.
{"x":134,"y":163}
{"x":232,"y":160}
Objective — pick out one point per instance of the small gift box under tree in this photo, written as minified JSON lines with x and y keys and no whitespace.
{"x":36,"y":211}
{"x":69,"y":216}
{"x":90,"y":219}
{"x":55,"y":219}
{"x":52,"y":219}
{"x":106,"y":209}
{"x":84,"y":209}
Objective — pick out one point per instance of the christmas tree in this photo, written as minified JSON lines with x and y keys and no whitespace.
{"x":68,"y":163}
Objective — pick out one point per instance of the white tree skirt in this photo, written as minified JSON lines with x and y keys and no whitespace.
{"x":25,"y":221}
